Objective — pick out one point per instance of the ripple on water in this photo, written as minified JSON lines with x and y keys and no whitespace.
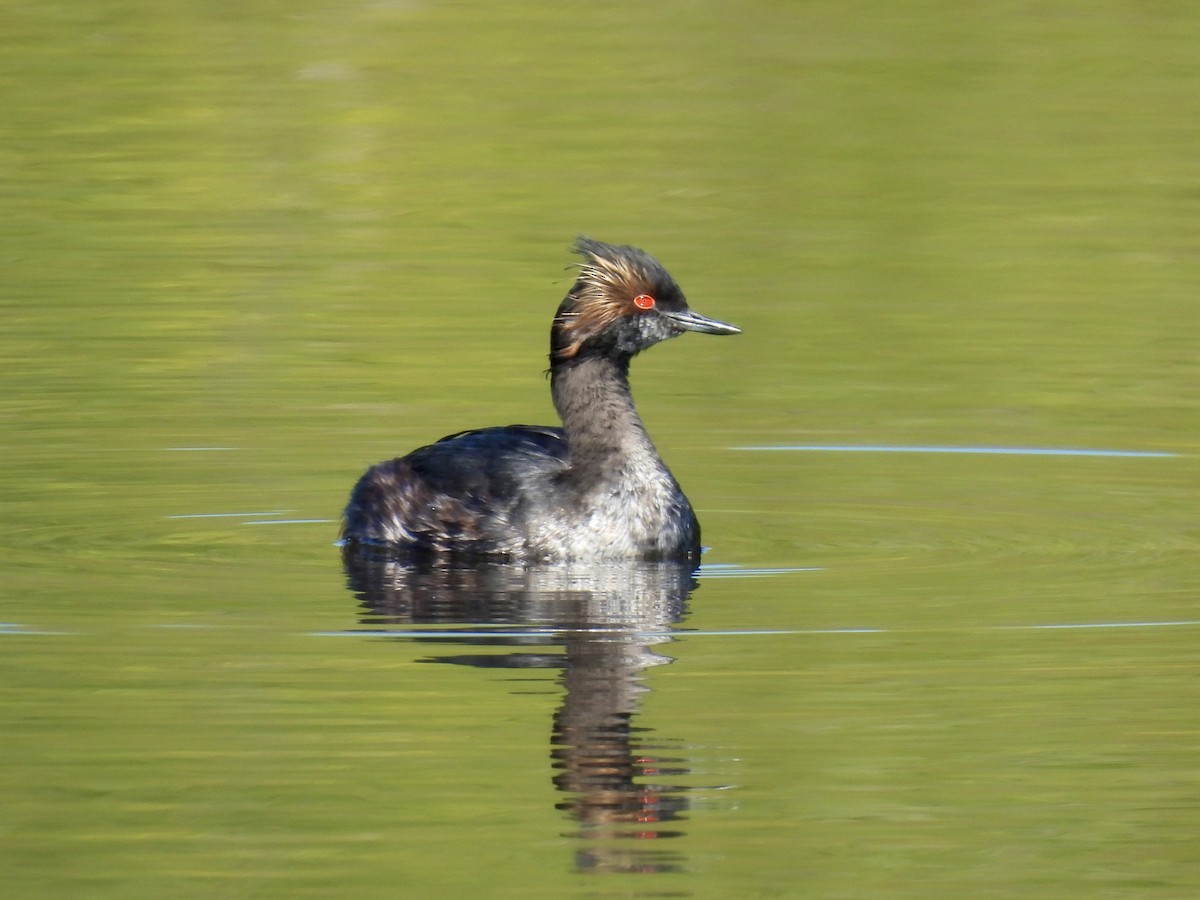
{"x":945,"y":508}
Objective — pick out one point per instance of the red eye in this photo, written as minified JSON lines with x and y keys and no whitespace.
{"x":643,"y":301}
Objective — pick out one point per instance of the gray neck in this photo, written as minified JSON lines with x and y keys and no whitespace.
{"x":604,"y":431}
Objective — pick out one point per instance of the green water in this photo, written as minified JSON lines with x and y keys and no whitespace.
{"x":317,"y":234}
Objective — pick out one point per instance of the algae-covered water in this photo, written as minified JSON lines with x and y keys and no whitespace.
{"x":247,"y":250}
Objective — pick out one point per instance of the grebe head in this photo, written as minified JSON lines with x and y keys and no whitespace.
{"x":623,"y":302}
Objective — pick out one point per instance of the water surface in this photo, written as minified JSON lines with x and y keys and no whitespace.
{"x":249,"y":251}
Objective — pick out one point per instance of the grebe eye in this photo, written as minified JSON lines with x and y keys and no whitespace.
{"x":643,"y":301}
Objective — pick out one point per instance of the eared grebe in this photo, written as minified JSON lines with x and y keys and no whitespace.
{"x":593,"y":489}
